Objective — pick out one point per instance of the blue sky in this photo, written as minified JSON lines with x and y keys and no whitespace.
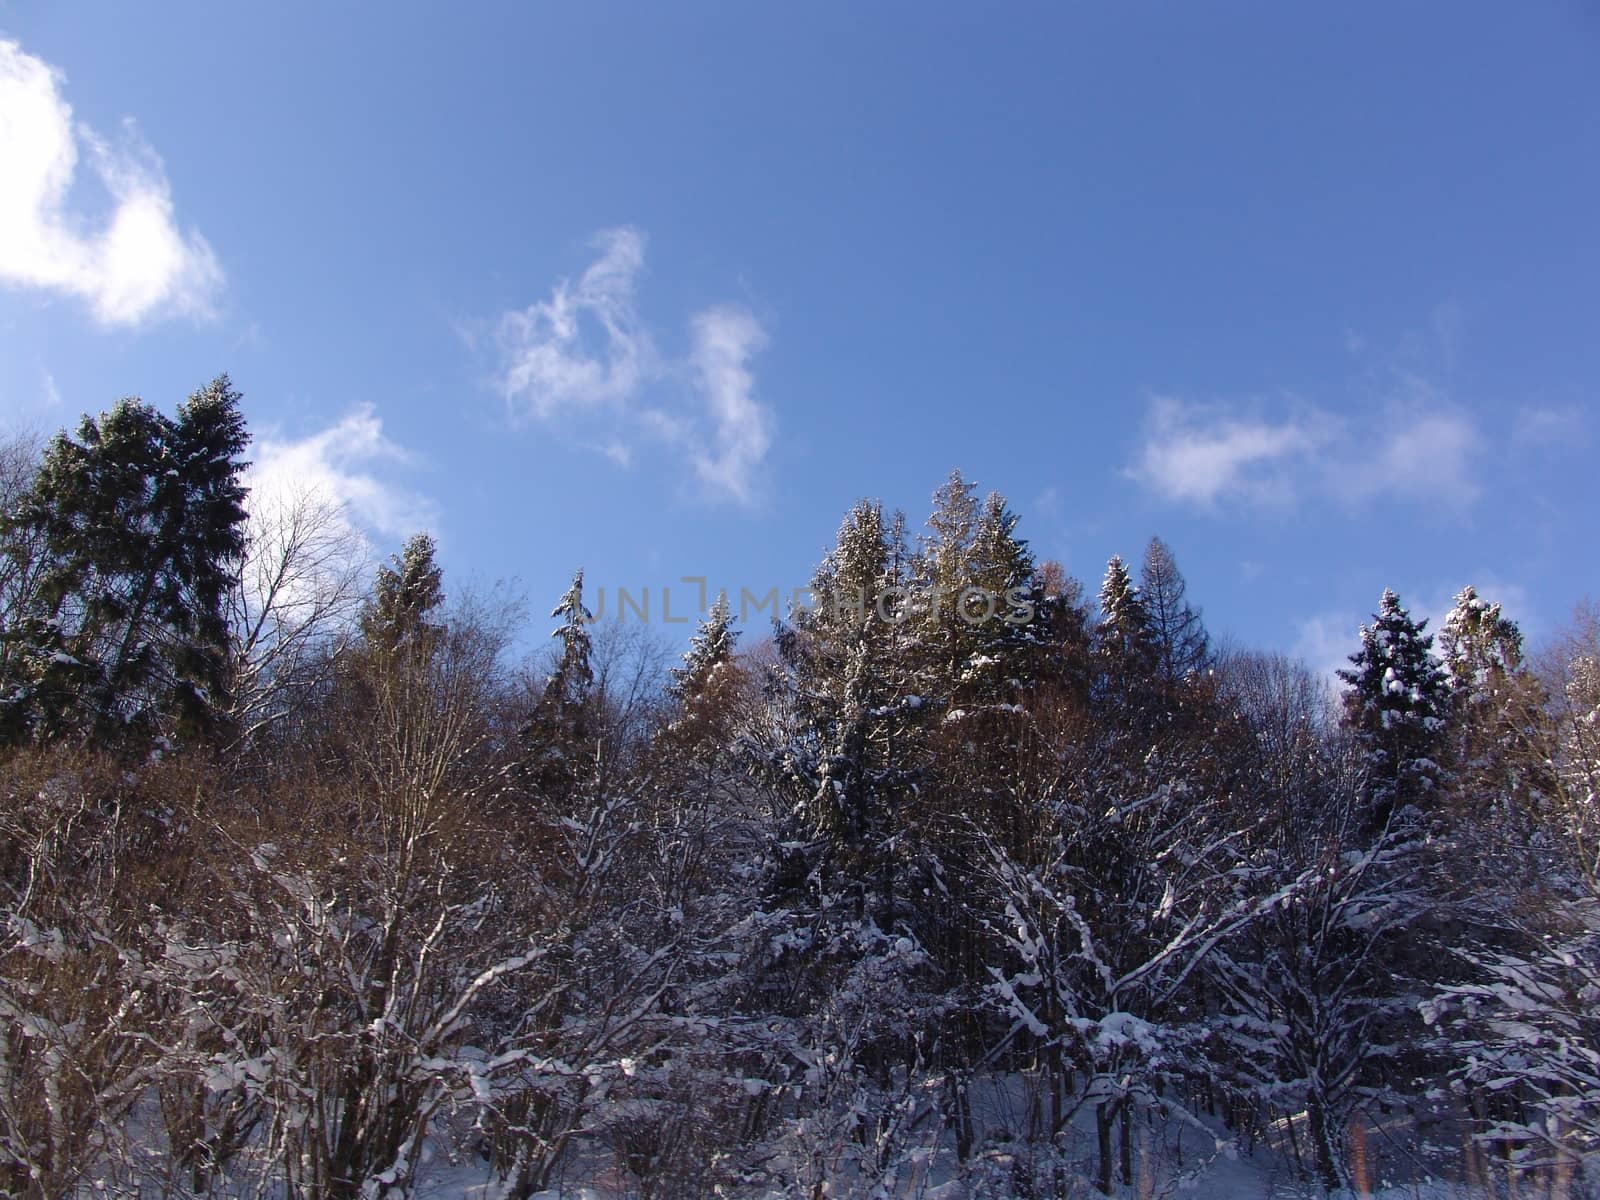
{"x":659,"y":290}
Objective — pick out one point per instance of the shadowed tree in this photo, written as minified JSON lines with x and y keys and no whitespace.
{"x":1396,"y":704}
{"x":1181,"y":644}
{"x":140,"y":524}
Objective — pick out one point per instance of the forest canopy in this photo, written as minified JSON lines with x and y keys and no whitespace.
{"x":307,"y":888}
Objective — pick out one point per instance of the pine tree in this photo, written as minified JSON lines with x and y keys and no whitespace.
{"x":971,"y":600}
{"x":999,"y":590}
{"x":141,"y":522}
{"x":1480,"y":646}
{"x":1397,"y":704}
{"x":952,"y":525}
{"x":1500,"y":743}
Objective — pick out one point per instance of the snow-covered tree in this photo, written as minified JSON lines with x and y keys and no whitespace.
{"x":407,"y":590}
{"x":1397,"y":704}
{"x":710,"y":648}
{"x":852,"y":692}
{"x":556,"y":738}
{"x":1125,"y":648}
{"x":1106,"y":894}
{"x":1519,"y":1022}
{"x":995,"y":610}
{"x":1315,"y":990}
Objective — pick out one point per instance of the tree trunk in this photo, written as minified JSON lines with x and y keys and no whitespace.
{"x":1322,"y":1145}
{"x":1125,"y":1120}
{"x":1104,"y":1114}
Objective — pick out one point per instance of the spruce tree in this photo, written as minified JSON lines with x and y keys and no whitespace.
{"x":557,"y":736}
{"x":140,"y":518}
{"x":848,"y":679}
{"x":1481,"y":647}
{"x":1397,"y":703}
{"x":574,"y":673}
{"x":1124,"y":645}
{"x":998,"y":592}
{"x":705,"y":687}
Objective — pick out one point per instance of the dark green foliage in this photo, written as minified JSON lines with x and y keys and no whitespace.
{"x":556,"y":738}
{"x":139,"y":525}
{"x":1397,"y":703}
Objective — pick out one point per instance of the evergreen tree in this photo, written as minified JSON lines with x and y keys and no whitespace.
{"x":999,"y":593}
{"x":848,"y":681}
{"x":952,"y":523}
{"x":1501,"y":744}
{"x":574,"y":673}
{"x":710,"y":648}
{"x":407,"y":591}
{"x":1397,"y":704}
{"x":971,"y":589}
{"x":705,"y":690}
{"x":1059,"y":632}
{"x":1124,"y":645}
{"x":1481,"y":647}
{"x":557,"y":737}
{"x":141,"y":523}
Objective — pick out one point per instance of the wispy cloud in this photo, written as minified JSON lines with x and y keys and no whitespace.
{"x":1200,"y":454}
{"x":1415,"y":455}
{"x":1538,"y":427}
{"x":585,"y":355}
{"x":724,"y":341}
{"x":549,"y":365}
{"x":1208,"y":455}
{"x":130,"y":265}
{"x":1325,"y":643}
{"x":344,"y":465}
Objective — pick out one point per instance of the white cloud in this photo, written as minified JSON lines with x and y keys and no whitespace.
{"x":130,"y":266}
{"x":618,"y":453}
{"x":1416,"y":455}
{"x":584,"y":356}
{"x":1200,"y":454}
{"x":1325,"y":643}
{"x":340,"y":464}
{"x":1417,"y":449}
{"x":548,"y":366}
{"x":724,"y":340}
{"x":1537,"y":427}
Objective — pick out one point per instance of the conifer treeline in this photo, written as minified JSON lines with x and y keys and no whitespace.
{"x":306,"y":889}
